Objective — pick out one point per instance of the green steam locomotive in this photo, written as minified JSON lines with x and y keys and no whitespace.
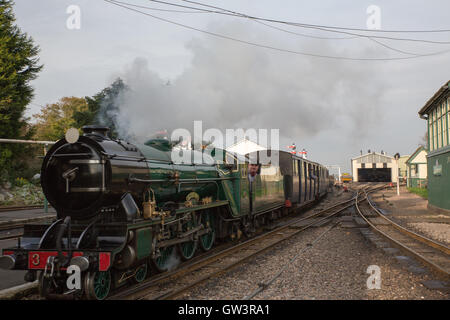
{"x":126,"y":211}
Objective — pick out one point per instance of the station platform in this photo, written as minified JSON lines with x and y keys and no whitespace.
{"x":411,"y":211}
{"x":25,"y":216}
{"x":12,"y":278}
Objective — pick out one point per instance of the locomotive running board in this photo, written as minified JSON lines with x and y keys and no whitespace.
{"x":203,"y":206}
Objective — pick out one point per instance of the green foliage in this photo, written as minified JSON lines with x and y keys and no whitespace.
{"x":54,"y":119}
{"x":423,"y":192}
{"x":28,"y":194}
{"x":103,"y":108}
{"x":18,"y":66}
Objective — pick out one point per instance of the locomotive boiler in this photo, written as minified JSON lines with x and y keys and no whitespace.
{"x":125,"y":210}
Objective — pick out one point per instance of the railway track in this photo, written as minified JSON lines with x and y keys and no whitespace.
{"x":430,"y":252}
{"x":13,"y":229}
{"x":11,"y":233}
{"x":172,"y":284}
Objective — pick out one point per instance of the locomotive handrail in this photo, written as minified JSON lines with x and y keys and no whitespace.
{"x":60,"y":155}
{"x":133,"y":179}
{"x":115,"y":156}
{"x":143,"y":158}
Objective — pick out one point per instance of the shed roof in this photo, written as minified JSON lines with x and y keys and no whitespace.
{"x":445,"y":88}
{"x":376,"y":153}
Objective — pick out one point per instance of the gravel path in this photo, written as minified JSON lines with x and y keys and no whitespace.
{"x":438,"y":231}
{"x":411,"y":212}
{"x":334,"y":268}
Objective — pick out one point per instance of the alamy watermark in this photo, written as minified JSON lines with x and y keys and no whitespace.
{"x":373,"y":21}
{"x":74,"y":279}
{"x":374,"y":280}
{"x":216,"y":142}
{"x":73,"y":22}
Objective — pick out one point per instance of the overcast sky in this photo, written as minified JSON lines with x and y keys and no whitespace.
{"x":332,"y":108}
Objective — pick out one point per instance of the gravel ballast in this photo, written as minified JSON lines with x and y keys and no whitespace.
{"x":438,"y":231}
{"x":334,"y":268}
{"x":411,"y":211}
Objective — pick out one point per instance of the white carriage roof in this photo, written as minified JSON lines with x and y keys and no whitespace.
{"x":245,"y":146}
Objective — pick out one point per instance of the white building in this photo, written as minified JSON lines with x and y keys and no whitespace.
{"x":374,"y":167}
{"x":417,"y":168}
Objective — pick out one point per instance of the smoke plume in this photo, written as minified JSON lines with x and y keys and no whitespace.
{"x":231,"y":85}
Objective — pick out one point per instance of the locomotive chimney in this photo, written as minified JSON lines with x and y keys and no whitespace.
{"x":96,"y":129}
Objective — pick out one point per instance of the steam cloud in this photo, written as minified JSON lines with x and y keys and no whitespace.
{"x":230,"y":85}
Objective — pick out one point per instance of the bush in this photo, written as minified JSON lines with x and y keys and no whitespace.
{"x":27,"y":194}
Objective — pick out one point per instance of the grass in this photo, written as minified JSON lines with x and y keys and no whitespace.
{"x":423,"y":192}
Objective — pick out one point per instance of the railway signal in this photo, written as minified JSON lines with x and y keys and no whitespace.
{"x":293,"y":148}
{"x":303,"y":153}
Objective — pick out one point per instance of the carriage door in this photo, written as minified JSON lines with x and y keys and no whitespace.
{"x":316,"y":175}
{"x":310,"y":191}
{"x":295,"y":181}
{"x":244,"y":189}
{"x":305,"y":175}
{"x":300,"y":175}
{"x":319,"y":169}
{"x":313,"y":174}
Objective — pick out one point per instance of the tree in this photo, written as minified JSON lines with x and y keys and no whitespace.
{"x":54,"y":119}
{"x":424,"y":141}
{"x":103,"y":108}
{"x":18,"y":66}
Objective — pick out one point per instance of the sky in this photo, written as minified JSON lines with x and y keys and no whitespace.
{"x":331,"y":107}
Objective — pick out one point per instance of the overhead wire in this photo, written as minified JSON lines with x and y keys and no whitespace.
{"x":324,"y":26}
{"x":311,"y":36}
{"x":159,"y":9}
{"x":114,"y":2}
{"x":329,"y":38}
{"x":241,"y":15}
{"x":309,"y":26}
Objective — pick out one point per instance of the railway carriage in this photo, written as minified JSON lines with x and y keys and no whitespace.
{"x":125,"y":210}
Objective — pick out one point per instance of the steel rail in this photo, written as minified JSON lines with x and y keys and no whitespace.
{"x":399,"y":244}
{"x":14,"y":225}
{"x":22,"y":223}
{"x":139,"y":291}
{"x":421,"y":238}
{"x":11,"y":236}
{"x":178,"y":292}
